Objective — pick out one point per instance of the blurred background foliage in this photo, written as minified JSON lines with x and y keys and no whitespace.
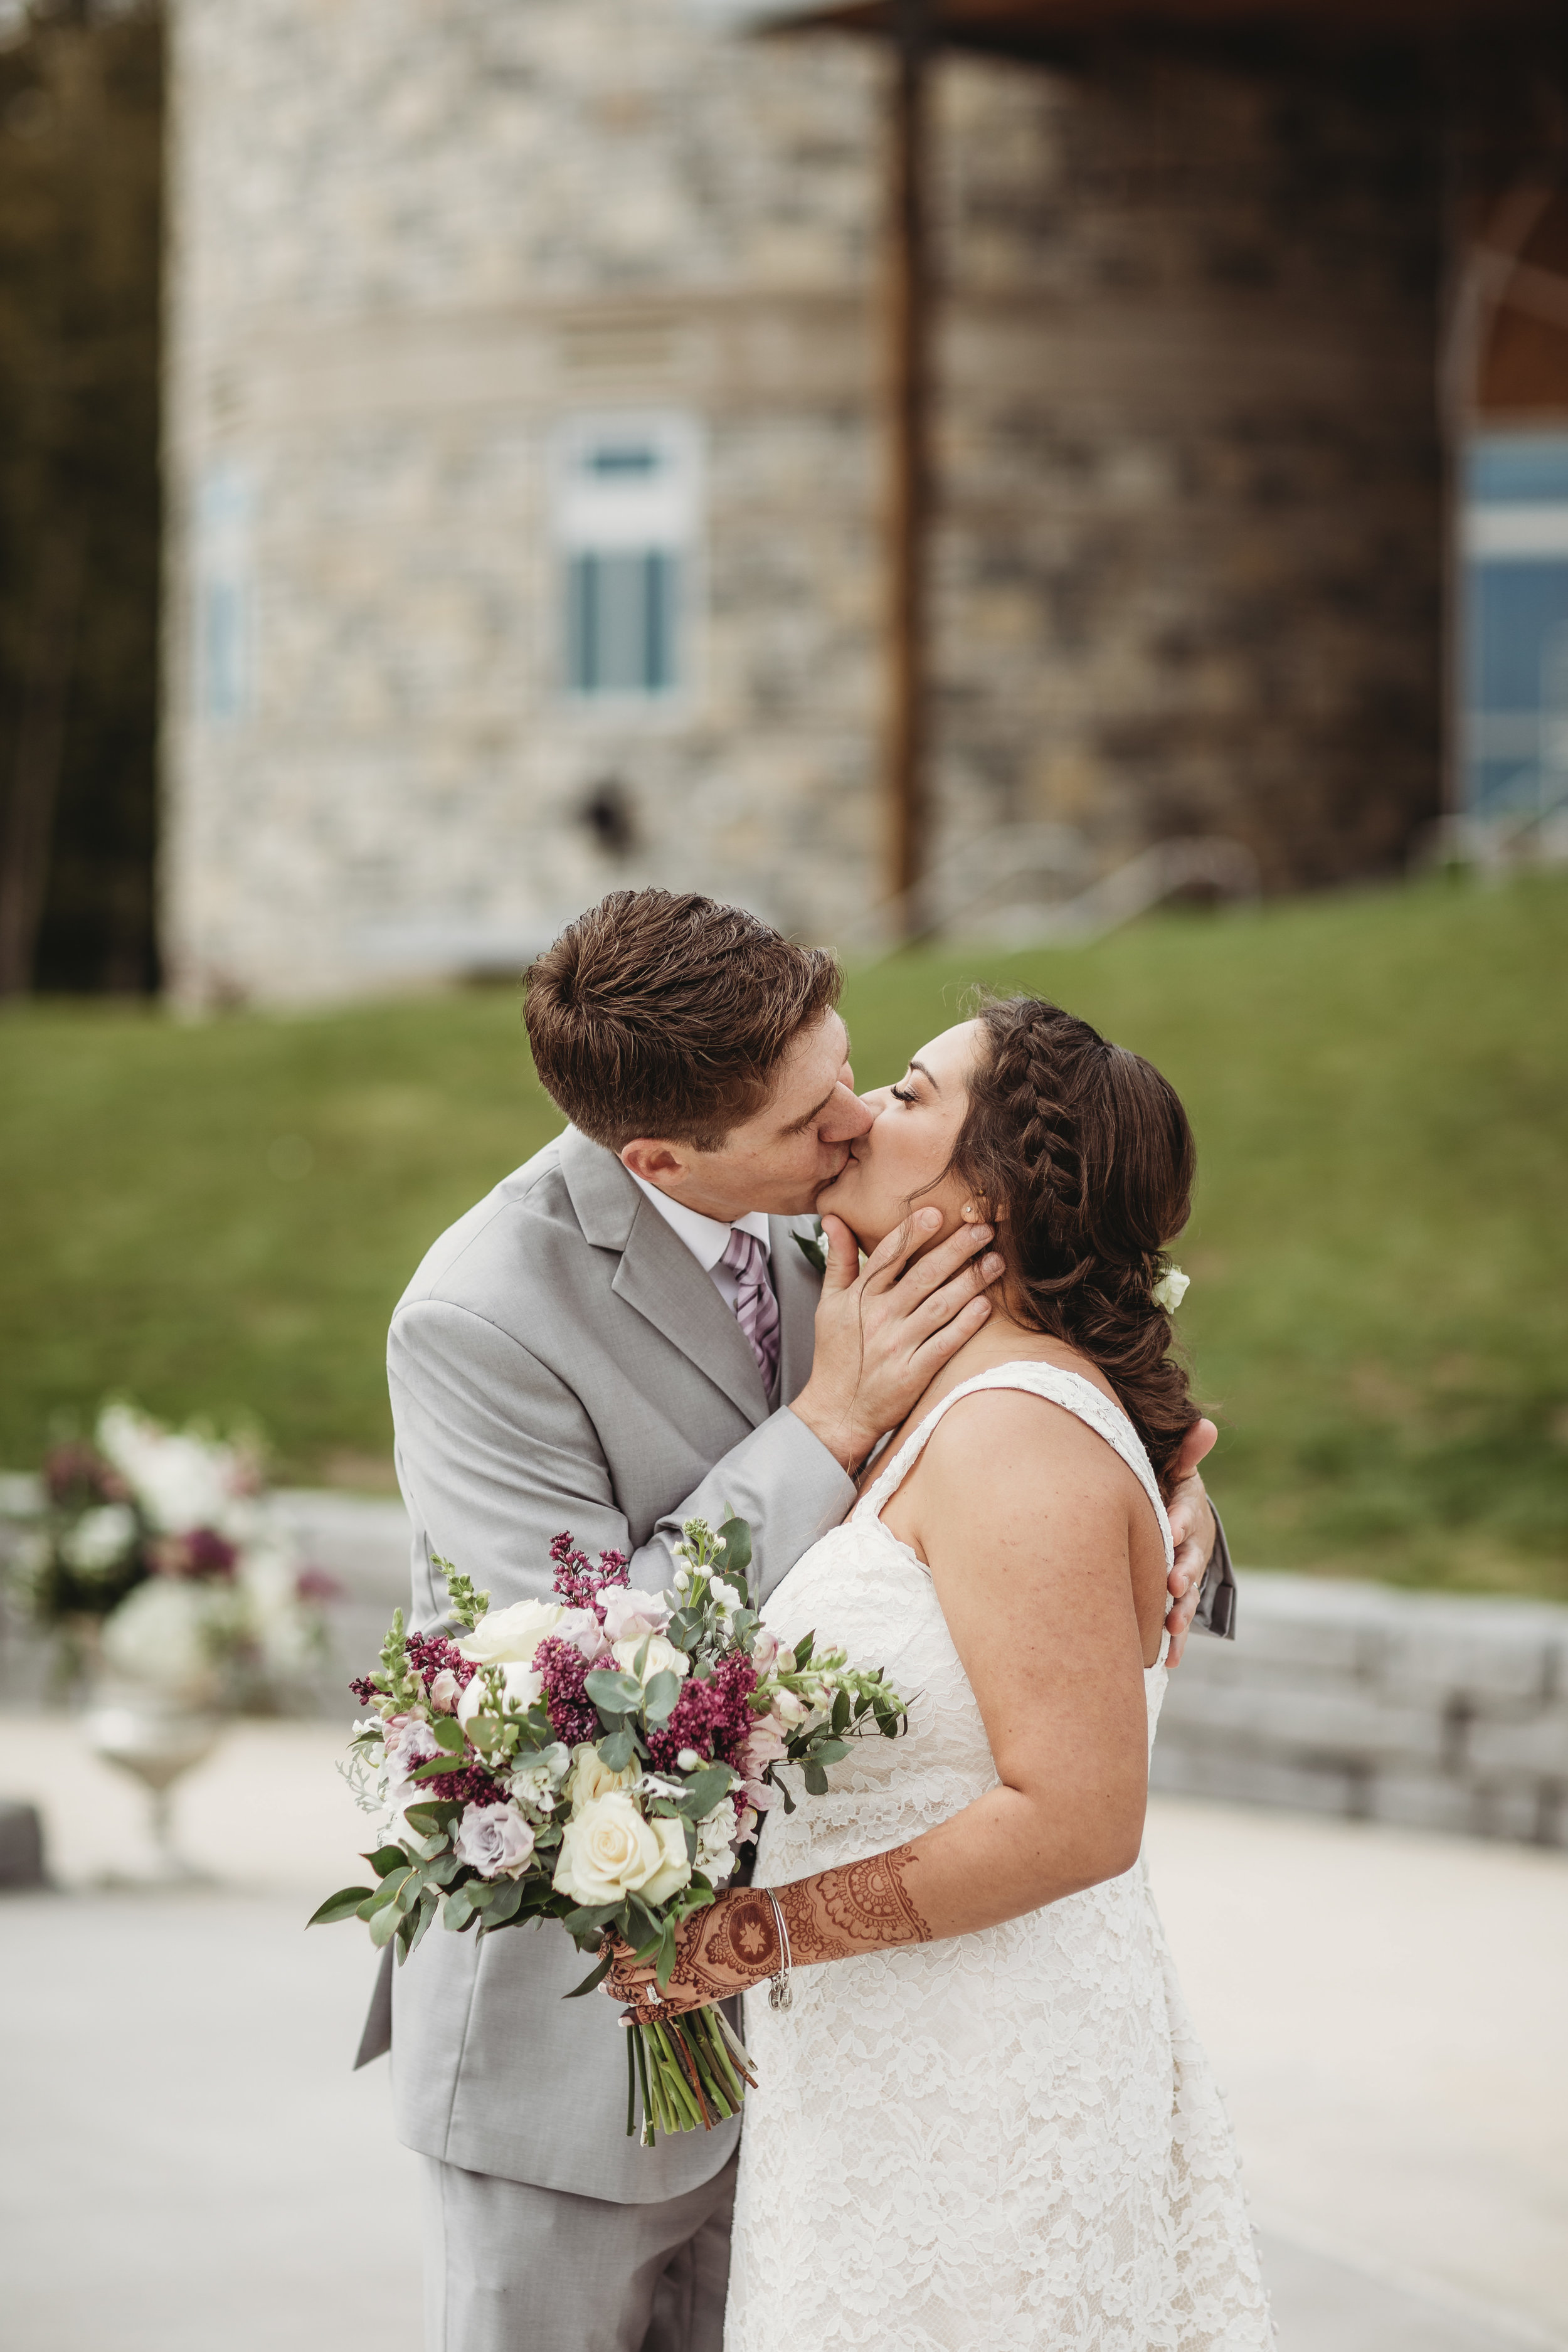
{"x":80,"y":196}
{"x":220,"y":1217}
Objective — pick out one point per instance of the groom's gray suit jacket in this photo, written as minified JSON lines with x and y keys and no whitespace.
{"x":561,"y":1360}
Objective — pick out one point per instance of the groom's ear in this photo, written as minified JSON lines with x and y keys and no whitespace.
{"x":647,"y":1157}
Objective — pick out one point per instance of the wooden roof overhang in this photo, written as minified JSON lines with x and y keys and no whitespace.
{"x":1066,"y":32}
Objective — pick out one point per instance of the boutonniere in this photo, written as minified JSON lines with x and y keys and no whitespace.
{"x":813,"y":1248}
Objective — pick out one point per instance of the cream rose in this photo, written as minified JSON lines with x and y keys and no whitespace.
{"x":521,"y":1685}
{"x":663,"y":1657}
{"x":591,"y":1776}
{"x":607,"y":1850}
{"x":505,"y":1637}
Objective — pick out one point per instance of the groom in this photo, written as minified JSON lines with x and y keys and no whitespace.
{"x":624,"y":1335}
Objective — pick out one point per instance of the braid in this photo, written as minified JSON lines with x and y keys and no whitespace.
{"x":1088,"y":1149}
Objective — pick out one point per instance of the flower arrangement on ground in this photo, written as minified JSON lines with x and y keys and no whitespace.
{"x":163,"y":1539}
{"x":602,"y":1759}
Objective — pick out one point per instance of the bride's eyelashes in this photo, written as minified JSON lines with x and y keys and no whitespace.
{"x":901,"y":1095}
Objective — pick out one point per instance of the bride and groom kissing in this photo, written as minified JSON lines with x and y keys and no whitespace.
{"x":983,"y":2118}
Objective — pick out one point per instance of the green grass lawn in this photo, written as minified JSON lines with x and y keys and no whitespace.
{"x":219,"y":1217}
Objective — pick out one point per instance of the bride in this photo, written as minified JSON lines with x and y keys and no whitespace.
{"x":984,"y":2119}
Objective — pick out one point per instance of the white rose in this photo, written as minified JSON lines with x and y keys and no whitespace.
{"x":1170,"y":1289}
{"x":511,"y":1636}
{"x":663,"y":1657}
{"x":495,"y":1841}
{"x":521,"y":1685}
{"x":629,"y":1615}
{"x":607,"y":1850}
{"x":592,"y":1777}
{"x":100,"y":1538}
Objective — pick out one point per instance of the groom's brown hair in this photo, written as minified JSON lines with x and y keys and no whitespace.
{"x":662,"y":1014}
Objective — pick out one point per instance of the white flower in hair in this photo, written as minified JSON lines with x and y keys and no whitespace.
{"x":1170,"y":1289}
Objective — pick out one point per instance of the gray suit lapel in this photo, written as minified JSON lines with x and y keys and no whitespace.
{"x":797,"y":1288}
{"x":658,"y":1275}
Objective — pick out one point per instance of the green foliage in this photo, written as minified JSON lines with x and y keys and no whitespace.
{"x":1379,"y":1084}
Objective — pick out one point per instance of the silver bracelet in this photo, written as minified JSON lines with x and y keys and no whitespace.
{"x":779,"y":1993}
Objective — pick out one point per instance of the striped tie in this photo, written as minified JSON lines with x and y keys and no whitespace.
{"x":756,"y":1308}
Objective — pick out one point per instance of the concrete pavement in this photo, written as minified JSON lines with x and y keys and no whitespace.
{"x":190,"y":2163}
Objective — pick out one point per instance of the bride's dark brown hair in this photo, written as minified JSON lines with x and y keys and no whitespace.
{"x":1086,"y":1150}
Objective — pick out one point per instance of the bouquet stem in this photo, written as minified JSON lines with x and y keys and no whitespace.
{"x":688,"y":2072}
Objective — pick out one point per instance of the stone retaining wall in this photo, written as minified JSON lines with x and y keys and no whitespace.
{"x":1433,"y":1711}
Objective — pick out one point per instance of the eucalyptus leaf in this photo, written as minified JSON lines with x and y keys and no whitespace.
{"x":660,"y":1697}
{"x":611,"y":1692}
{"x":616,"y":1752}
{"x":592,"y":1919}
{"x":840,"y":1716}
{"x":815,"y":1779}
{"x":449,"y":1735}
{"x":426,"y":1913}
{"x":829,"y":1751}
{"x":457,"y":1911}
{"x":704,"y":1788}
{"x":343,"y":1904}
{"x":508,"y":1902}
{"x":384,"y":1924}
{"x":735,"y":1535}
{"x":433,"y":1814}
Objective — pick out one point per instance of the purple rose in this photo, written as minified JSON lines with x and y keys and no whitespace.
{"x":495,"y":1841}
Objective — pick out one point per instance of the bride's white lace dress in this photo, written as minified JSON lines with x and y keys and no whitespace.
{"x":1011,"y":2139}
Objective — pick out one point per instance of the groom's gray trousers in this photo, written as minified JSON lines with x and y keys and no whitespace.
{"x":560,"y":1361}
{"x":508,"y":2266}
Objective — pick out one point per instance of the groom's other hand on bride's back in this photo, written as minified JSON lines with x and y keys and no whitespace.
{"x":884,"y":1331}
{"x":1193,"y":1531}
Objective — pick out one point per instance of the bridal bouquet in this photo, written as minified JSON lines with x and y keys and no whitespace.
{"x":602,"y":1760}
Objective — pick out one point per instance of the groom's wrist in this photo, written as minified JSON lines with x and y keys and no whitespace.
{"x":833,"y":1429}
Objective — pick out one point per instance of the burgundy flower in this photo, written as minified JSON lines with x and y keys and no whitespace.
{"x":562,"y":1669}
{"x":200,"y":1553}
{"x":577,"y":1583}
{"x":713,"y":1717}
{"x":430,"y":1655}
{"x":315,"y":1584}
{"x":77,"y":1473}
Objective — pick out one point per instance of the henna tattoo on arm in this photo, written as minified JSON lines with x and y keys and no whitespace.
{"x":861,"y":1906}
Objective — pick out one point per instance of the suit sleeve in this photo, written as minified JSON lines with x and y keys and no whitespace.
{"x":496,"y":1455}
{"x":1217,"y":1601}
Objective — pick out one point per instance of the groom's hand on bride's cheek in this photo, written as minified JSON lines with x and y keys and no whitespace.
{"x":1192,"y":1532}
{"x":885,"y":1329}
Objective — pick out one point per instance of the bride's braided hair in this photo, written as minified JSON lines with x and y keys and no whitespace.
{"x":1086,"y":1150}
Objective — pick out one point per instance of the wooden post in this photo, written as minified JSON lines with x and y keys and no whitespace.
{"x":908,"y":500}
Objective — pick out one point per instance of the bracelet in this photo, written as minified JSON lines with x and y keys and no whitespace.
{"x":779,"y":1993}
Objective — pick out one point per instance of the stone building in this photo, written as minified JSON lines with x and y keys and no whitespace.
{"x":527,"y":456}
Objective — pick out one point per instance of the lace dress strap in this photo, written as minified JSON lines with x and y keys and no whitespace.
{"x":1070,"y":1390}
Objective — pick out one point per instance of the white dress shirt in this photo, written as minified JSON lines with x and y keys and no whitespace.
{"x":708,"y":1238}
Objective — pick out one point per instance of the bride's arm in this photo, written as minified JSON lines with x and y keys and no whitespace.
{"x":1023,"y":1515}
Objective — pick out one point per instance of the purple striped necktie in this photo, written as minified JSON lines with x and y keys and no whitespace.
{"x":756,"y":1308}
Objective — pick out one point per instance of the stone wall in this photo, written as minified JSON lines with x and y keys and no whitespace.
{"x":1187,"y":552}
{"x":1431,"y":1711}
